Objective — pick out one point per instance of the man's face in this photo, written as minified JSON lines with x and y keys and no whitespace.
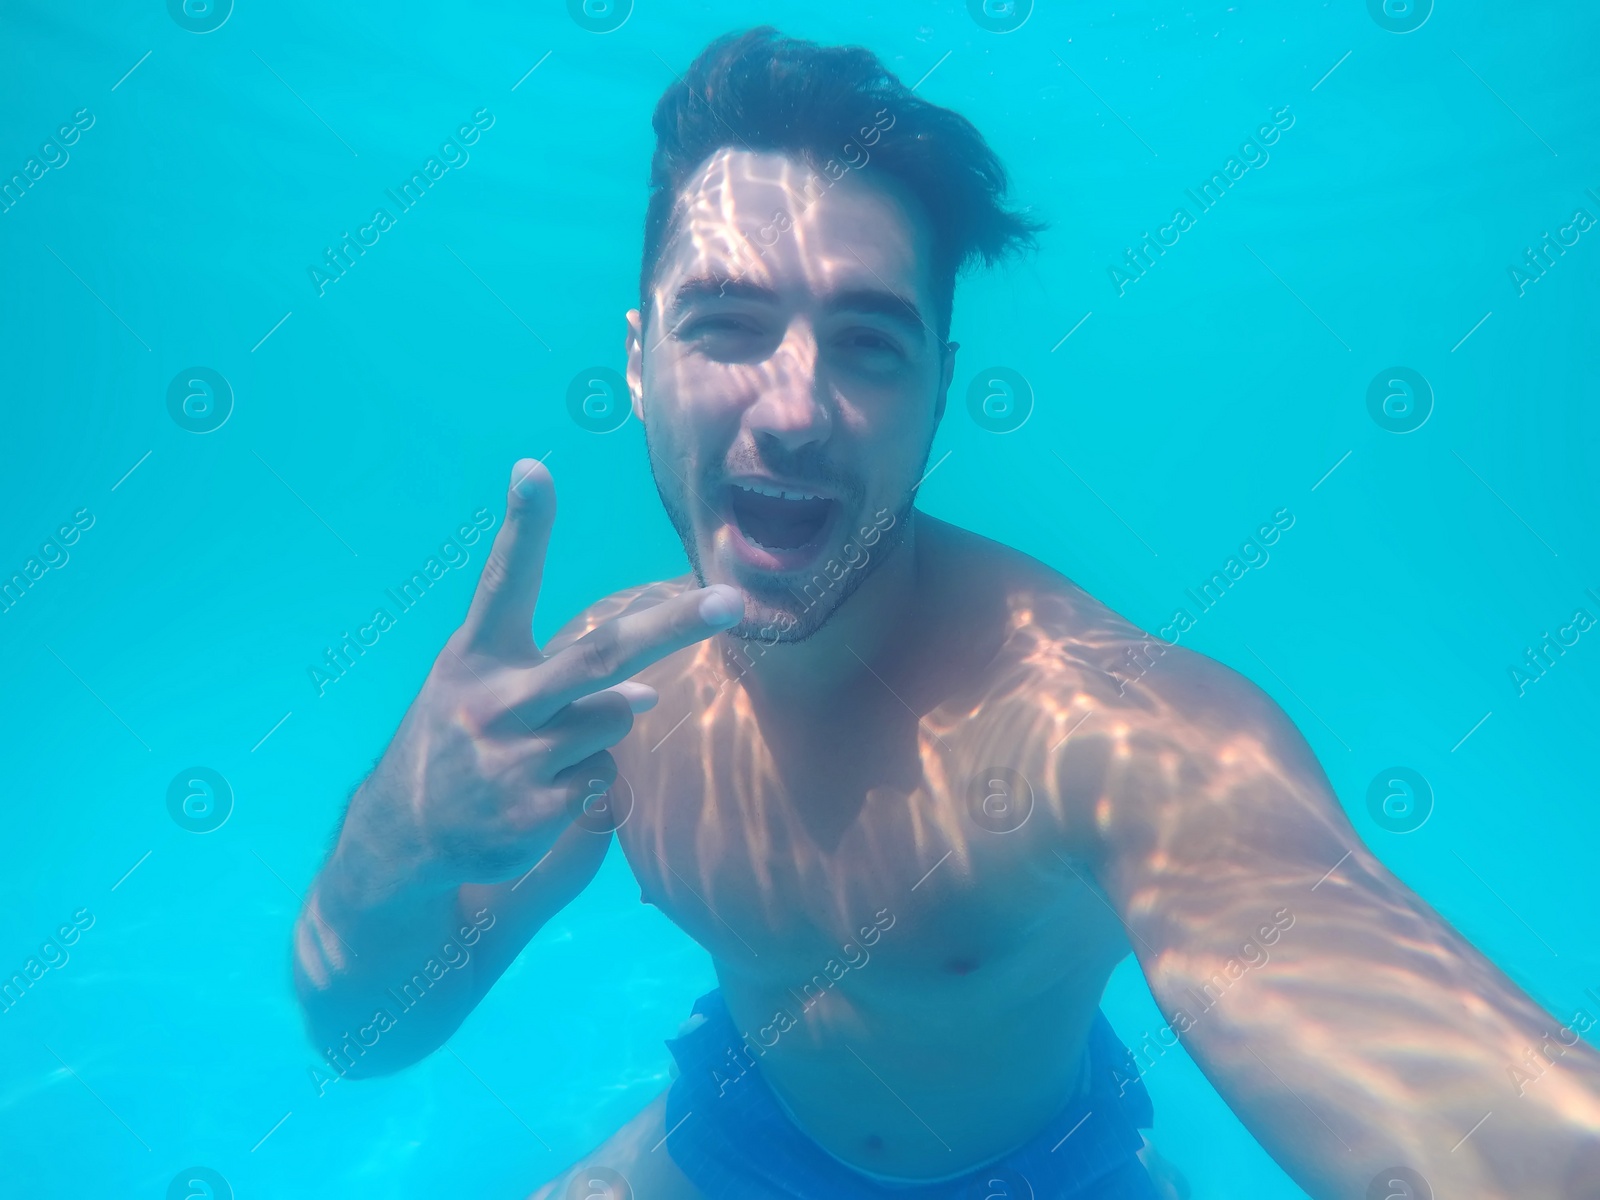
{"x":790,"y":381}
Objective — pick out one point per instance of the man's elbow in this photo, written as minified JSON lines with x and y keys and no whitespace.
{"x":366,"y":1049}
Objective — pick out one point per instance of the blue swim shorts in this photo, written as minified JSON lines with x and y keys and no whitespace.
{"x":734,"y":1140}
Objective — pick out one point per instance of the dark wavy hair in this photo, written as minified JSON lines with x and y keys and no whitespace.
{"x":760,"y":90}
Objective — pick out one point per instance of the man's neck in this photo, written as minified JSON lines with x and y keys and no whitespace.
{"x":883,"y":612}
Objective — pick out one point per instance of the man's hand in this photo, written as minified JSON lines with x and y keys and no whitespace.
{"x":495,"y":758}
{"x":504,"y":744}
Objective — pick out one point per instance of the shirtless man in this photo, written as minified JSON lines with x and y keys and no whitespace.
{"x":901,"y":781}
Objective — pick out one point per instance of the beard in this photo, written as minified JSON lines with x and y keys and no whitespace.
{"x":817,"y":599}
{"x":790,"y":609}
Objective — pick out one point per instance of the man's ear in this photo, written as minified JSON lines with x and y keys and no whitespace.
{"x":635,"y":351}
{"x":946,"y":373}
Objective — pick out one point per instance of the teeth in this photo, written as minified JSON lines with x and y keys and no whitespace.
{"x":762,"y":489}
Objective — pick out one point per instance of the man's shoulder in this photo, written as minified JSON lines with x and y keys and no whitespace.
{"x":1042,"y":613}
{"x":1057,"y":625}
{"x":1095,"y":690}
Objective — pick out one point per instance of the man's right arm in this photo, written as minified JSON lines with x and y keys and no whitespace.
{"x":386,"y":969}
{"x":462,"y":843}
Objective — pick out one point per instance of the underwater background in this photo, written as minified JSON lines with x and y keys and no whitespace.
{"x":221,"y":455}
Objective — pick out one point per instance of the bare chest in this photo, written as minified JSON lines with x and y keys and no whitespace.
{"x":938,"y":849}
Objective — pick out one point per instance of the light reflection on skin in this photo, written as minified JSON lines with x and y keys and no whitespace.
{"x":787,"y":791}
{"x":812,"y":362}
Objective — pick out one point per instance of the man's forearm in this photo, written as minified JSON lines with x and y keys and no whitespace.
{"x":385,"y":973}
{"x":1399,"y":1044}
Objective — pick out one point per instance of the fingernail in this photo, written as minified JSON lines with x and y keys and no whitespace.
{"x":640,"y":697}
{"x":524,"y":476}
{"x":722,"y":606}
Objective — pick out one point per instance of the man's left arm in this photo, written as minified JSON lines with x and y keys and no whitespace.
{"x":1344,"y":1021}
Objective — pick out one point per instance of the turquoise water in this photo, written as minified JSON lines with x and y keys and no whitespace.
{"x":371,"y":416}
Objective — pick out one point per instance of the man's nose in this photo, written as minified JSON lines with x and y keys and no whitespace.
{"x":794,"y":407}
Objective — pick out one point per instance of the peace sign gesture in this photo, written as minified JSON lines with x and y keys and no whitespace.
{"x":495,"y":755}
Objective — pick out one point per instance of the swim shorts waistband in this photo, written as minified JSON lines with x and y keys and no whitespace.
{"x":734,"y":1138}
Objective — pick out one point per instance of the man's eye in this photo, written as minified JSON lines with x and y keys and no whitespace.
{"x":720,"y":324}
{"x":871,"y":341}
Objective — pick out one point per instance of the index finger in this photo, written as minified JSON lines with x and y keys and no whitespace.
{"x":500,"y":619}
{"x":623,"y":646}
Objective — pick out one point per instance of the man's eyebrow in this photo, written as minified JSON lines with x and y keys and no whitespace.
{"x":718,"y":286}
{"x":875,"y":301}
{"x":882,"y":303}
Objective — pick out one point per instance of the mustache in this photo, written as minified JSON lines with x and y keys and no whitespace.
{"x":800,"y":469}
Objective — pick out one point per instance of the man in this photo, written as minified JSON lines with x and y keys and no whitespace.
{"x":897,"y":779}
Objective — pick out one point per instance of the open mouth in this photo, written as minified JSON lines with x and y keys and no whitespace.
{"x":781,"y":521}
